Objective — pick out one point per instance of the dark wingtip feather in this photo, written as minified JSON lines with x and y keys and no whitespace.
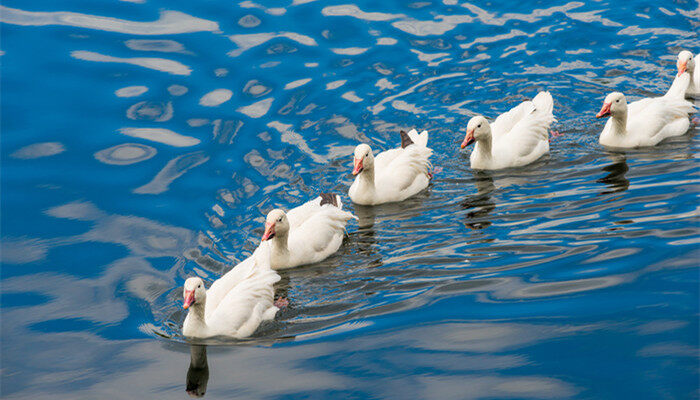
{"x":405,"y":139}
{"x":329,"y":198}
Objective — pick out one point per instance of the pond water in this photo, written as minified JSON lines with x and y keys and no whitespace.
{"x":143,"y":141}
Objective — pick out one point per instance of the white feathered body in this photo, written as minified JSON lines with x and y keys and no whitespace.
{"x":694,"y":85}
{"x":398,"y":173}
{"x":237,"y":302}
{"x":315,"y":232}
{"x":686,"y":85}
{"x":649,"y":121}
{"x":518,"y":137}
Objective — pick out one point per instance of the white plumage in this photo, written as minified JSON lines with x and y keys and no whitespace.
{"x":393,"y":175}
{"x":516,"y":138}
{"x":306,"y":234}
{"x":645,"y":122}
{"x":236,"y":303}
{"x":687,"y":86}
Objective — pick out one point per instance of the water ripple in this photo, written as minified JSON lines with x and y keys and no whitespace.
{"x":488,"y":284}
{"x":169,"y":23}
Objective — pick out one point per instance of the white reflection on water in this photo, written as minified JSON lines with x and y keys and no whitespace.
{"x":351,"y":96}
{"x":161,"y":135}
{"x":352,"y":10}
{"x":174,"y":169}
{"x":216,"y":97}
{"x":38,"y":150}
{"x":125,"y":154}
{"x":431,"y":58}
{"x":131,"y":91}
{"x":177,"y":90}
{"x":162,"y":45}
{"x":386,"y":41}
{"x":248,"y":41}
{"x":151,"y":110}
{"x":271,"y":11}
{"x":148,"y":364}
{"x":350,"y":51}
{"x":297,"y":83}
{"x":428,"y":28}
{"x":295,"y":139}
{"x":335,"y":84}
{"x":408,"y":107}
{"x":158,"y":64}
{"x":379,"y":107}
{"x":489,"y":18}
{"x":169,"y":23}
{"x":257,"y":109}
{"x":22,"y":250}
{"x":141,"y":235}
{"x":249,"y":21}
{"x":636,"y":31}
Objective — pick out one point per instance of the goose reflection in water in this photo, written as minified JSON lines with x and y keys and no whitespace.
{"x":364,"y":240}
{"x":615,"y":179}
{"x":366,"y":217}
{"x":480,"y":202}
{"x":198,"y":373}
{"x":365,"y":237}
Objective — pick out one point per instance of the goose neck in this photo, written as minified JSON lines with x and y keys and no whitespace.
{"x":366,"y":180}
{"x":483,"y":147}
{"x":619,"y":123}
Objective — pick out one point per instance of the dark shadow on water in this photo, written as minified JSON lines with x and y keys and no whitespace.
{"x":615,"y":180}
{"x":479,"y":204}
{"x":198,"y":372}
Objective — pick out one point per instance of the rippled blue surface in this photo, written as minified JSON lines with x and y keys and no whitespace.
{"x":144,"y":140}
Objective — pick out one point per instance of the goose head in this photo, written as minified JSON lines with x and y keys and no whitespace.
{"x":478,"y":128}
{"x":685,"y":62}
{"x":614,"y":104}
{"x":194,"y":292}
{"x":364,"y":159}
{"x":276,"y":224}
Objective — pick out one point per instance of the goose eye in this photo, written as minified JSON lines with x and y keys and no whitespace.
{"x":617,"y":101}
{"x":478,"y":126}
{"x":279,"y":219}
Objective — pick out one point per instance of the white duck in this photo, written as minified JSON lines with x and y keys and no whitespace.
{"x":679,"y":87}
{"x":686,"y":64}
{"x":516,"y":138}
{"x":645,"y":122}
{"x":306,"y":234}
{"x":235,"y":304}
{"x":393,"y":175}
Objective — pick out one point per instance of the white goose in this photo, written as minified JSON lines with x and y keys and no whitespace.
{"x":517,"y":137}
{"x":679,"y":87}
{"x":686,"y":64}
{"x":306,"y":234}
{"x":235,"y":304}
{"x":645,"y":122}
{"x":393,"y":175}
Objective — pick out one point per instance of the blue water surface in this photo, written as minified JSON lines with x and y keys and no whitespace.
{"x":143,"y":141}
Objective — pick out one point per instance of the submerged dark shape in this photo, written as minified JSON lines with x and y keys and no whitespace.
{"x":329,"y":198}
{"x":198,"y":373}
{"x":481,"y":204}
{"x":405,"y":139}
{"x":615,"y":180}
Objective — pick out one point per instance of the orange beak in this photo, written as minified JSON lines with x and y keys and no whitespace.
{"x":682,"y":66}
{"x":269,"y":231}
{"x":358,"y":166}
{"x":469,"y":139}
{"x":605,"y":111}
{"x":189,"y":299}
